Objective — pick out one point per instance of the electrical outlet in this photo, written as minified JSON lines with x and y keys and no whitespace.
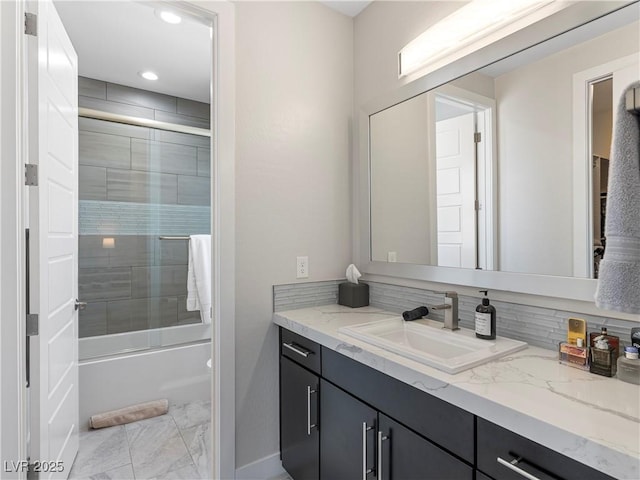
{"x":391,"y":257}
{"x":302,"y":269}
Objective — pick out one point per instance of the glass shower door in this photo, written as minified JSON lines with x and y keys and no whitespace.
{"x":143,"y":192}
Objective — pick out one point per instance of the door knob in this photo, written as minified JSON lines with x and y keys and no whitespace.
{"x":80,"y":305}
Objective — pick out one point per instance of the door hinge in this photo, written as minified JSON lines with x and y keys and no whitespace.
{"x":477,"y":205}
{"x":33,"y":324}
{"x":477,"y":137}
{"x":31,"y":24}
{"x":31,"y":175}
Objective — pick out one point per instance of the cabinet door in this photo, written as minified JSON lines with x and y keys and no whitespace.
{"x":405,"y":455}
{"x":347,"y":443}
{"x":299,"y":437}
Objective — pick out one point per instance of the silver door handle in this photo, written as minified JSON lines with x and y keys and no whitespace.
{"x":381,"y":438}
{"x":513,"y":465}
{"x":80,"y":305}
{"x":309,"y":426}
{"x":298,"y":350}
{"x":365,"y":471}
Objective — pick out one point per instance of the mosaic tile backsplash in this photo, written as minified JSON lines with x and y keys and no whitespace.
{"x":539,"y":326}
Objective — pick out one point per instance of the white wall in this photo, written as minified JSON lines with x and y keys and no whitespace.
{"x":294,"y":107}
{"x":537,"y":237}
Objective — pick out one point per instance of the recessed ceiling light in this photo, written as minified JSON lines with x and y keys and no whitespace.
{"x":148,"y":75}
{"x":170,"y":17}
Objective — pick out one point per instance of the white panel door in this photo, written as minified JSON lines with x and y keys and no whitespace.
{"x":53,"y":220}
{"x":456,"y":187}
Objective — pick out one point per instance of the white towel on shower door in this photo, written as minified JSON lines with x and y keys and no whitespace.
{"x":199,"y":276}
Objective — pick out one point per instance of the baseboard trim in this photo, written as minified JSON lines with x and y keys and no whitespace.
{"x":263,"y":469}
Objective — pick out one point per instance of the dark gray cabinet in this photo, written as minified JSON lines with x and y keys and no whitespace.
{"x":359,"y":442}
{"x":300,"y":365}
{"x":347,"y":443}
{"x":299,"y":436}
{"x":406,"y":455}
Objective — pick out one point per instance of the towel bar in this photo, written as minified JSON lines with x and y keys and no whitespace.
{"x":173,"y":238}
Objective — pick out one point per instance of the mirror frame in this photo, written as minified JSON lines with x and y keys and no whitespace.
{"x":582,"y":289}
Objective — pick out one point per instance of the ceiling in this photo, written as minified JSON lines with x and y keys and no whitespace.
{"x":347,"y":7}
{"x":115,"y":40}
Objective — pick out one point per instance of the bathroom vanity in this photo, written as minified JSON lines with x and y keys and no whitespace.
{"x":352,"y":410}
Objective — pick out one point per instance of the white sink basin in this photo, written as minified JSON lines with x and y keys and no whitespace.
{"x":428,"y":343}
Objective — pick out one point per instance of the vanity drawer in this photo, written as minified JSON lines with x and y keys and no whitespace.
{"x":444,"y":424}
{"x":497,"y":446}
{"x":300,"y":349}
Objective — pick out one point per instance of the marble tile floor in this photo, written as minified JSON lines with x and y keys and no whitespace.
{"x":172,"y":446}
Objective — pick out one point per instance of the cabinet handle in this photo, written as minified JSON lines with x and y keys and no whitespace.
{"x":309,"y":425}
{"x":513,"y":465}
{"x":295,"y":348}
{"x":365,"y":471}
{"x":381,"y":438}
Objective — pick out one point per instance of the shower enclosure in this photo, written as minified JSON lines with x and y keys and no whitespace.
{"x":144,"y":188}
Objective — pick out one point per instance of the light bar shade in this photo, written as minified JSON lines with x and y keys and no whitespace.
{"x":471,"y":23}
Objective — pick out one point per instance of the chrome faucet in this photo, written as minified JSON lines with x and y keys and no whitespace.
{"x":450,"y":308}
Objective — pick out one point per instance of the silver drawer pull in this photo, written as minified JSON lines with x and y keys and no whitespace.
{"x":309,"y":425}
{"x":513,"y":465}
{"x":381,"y":438}
{"x":365,"y":471}
{"x":296,"y":348}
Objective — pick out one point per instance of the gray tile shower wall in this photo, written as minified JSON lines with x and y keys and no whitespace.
{"x":542,"y":327}
{"x":137,"y":183}
{"x":302,"y":295}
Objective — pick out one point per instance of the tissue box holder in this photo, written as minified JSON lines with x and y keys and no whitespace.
{"x":353,"y":295}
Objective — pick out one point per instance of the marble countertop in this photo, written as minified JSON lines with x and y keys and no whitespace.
{"x":592,"y":419}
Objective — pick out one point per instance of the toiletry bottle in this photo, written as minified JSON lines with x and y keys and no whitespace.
{"x":485,"y":319}
{"x":604,"y":350}
{"x":629,"y":366}
{"x":577,"y":330}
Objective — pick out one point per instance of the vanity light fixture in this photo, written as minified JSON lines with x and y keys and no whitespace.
{"x":148,"y":75}
{"x":470,"y":28}
{"x":169,"y":17}
{"x":108,"y":242}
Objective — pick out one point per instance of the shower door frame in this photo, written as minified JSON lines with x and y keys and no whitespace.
{"x":221,"y":14}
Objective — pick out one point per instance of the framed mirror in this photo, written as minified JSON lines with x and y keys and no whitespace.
{"x":497,"y":177}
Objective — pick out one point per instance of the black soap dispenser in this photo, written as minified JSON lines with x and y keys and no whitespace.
{"x":485,"y":319}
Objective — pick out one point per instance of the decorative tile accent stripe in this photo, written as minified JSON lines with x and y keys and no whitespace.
{"x":97,"y":217}
{"x":302,"y":295}
{"x":542,"y":327}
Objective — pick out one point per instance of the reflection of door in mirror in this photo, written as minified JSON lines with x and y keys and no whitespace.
{"x":602,"y":87}
{"x":601,"y":128}
{"x":461,"y":163}
{"x":455,"y":173}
